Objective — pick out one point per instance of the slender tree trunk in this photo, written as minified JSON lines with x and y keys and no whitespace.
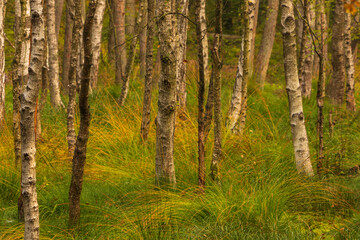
{"x":59,"y":6}
{"x":299,"y":23}
{"x":183,"y":8}
{"x":145,"y":123}
{"x":356,"y":36}
{"x":217,"y":64}
{"x":120,"y":41}
{"x":165,"y":120}
{"x":321,"y":86}
{"x":111,"y":32}
{"x":130,"y":17}
{"x":130,"y":61}
{"x":53,"y":56}
{"x":297,"y":121}
{"x":142,"y":41}
{"x":237,"y":112}
{"x":267,"y":41}
{"x":67,"y":46}
{"x":204,"y":37}
{"x":201,"y":97}
{"x":336,"y":86}
{"x":96,"y":41}
{"x":76,"y":34}
{"x":2,"y":62}
{"x":28,"y":106}
{"x":253,"y":29}
{"x":81,"y":142}
{"x":349,"y":64}
{"x":306,"y":54}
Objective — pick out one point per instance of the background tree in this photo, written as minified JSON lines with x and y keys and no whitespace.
{"x":118,"y":19}
{"x":2,"y":62}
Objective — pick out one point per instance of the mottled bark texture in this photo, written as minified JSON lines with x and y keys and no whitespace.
{"x":96,"y":41}
{"x":267,"y":41}
{"x":130,"y":61}
{"x":201,"y":14}
{"x":77,"y":26}
{"x":349,"y":65}
{"x":21,"y":72}
{"x":217,"y":64}
{"x":53,"y":56}
{"x":118,"y":17}
{"x":306,"y":53}
{"x":321,"y":85}
{"x":253,"y":29}
{"x":293,"y":88}
{"x":2,"y":62}
{"x":237,"y":112}
{"x":82,"y":139}
{"x":182,"y":25}
{"x":28,"y":108}
{"x":165,"y":120}
{"x":145,"y":123}
{"x":336,"y":87}
{"x":67,"y":46}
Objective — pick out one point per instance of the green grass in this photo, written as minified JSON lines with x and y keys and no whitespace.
{"x":261,"y":195}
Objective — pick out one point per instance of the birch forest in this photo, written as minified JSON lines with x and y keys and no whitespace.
{"x":179,"y":119}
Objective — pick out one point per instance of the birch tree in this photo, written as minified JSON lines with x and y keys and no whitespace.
{"x":267,"y":41}
{"x":28,"y":108}
{"x":201,"y":22}
{"x":2,"y":62}
{"x":293,"y":88}
{"x":96,"y":41}
{"x":53,"y":56}
{"x":118,"y":17}
{"x":79,"y":157}
{"x":165,"y":120}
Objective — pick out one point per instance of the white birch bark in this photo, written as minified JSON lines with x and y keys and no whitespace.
{"x":28,"y":104}
{"x":53,"y":56}
{"x":96,"y":41}
{"x":293,"y":88}
{"x":204,"y":40}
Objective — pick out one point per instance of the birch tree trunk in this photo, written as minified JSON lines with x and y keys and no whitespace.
{"x":267,"y":41}
{"x":165,"y":120}
{"x":217,"y":64}
{"x":67,"y":46}
{"x":130,"y":61}
{"x":182,"y":26}
{"x":28,"y":107}
{"x":53,"y":56}
{"x":142,"y":41}
{"x":96,"y":41}
{"x":204,"y":37}
{"x":76,"y":34}
{"x":145,"y":123}
{"x":119,"y":28}
{"x":2,"y":62}
{"x":253,"y":29}
{"x":349,"y":65}
{"x":306,"y":53}
{"x":336,"y":86}
{"x":81,"y":142}
{"x":237,"y":112}
{"x":297,"y":121}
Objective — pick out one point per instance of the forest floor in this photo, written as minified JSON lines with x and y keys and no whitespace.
{"x":261,"y":195}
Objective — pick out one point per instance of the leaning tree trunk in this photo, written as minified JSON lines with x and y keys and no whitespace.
{"x":297,"y":121}
{"x":118,"y":17}
{"x":306,"y":53}
{"x":67,"y":46}
{"x":237,"y":112}
{"x":217,"y":64}
{"x":28,"y":107}
{"x":267,"y":41}
{"x":96,"y":41}
{"x":182,"y":27}
{"x":130,"y":61}
{"x":165,"y":120}
{"x":2,"y":62}
{"x":76,"y":34}
{"x":53,"y":56}
{"x":349,"y":64}
{"x":145,"y":123}
{"x":336,"y":86}
{"x":21,"y":69}
{"x":81,"y":142}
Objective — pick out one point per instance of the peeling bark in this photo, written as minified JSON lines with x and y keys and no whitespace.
{"x":293,"y":88}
